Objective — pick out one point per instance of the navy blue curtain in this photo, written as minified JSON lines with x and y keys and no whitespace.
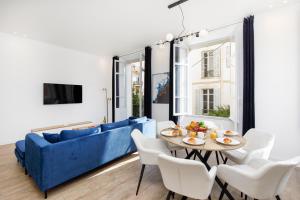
{"x":248,"y":87}
{"x":114,"y":66}
{"x":171,"y":112}
{"x":147,"y":86}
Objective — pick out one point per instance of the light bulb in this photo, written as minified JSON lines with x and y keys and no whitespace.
{"x":169,"y":37}
{"x":203,"y":32}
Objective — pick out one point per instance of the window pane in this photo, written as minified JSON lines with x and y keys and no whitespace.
{"x":117,"y":102}
{"x":180,"y":105}
{"x":181,"y":55}
{"x":180,"y":81}
{"x":117,"y":85}
{"x":177,"y":81}
{"x":117,"y":67}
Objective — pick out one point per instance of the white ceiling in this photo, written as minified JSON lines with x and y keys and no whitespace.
{"x":111,"y":27}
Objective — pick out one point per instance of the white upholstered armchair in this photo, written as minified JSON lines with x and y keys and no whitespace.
{"x":149,"y":149}
{"x":259,"y":145}
{"x":259,"y":178}
{"x":186,"y":177}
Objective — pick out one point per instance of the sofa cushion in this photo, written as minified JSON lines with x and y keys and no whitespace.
{"x":138,"y":120}
{"x":52,"y":137}
{"x":20,"y":148}
{"x":109,"y":126}
{"x":71,"y":134}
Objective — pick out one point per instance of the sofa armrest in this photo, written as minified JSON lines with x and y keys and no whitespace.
{"x":34,"y":159}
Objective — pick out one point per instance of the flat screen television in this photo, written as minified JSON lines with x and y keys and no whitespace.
{"x":62,"y":94}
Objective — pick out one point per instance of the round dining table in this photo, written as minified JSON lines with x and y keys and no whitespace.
{"x":204,"y":151}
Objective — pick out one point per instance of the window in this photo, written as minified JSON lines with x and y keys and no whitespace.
{"x":180,"y":81}
{"x":210,"y":64}
{"x":208,"y":100}
{"x":204,"y":79}
{"x":212,"y":79}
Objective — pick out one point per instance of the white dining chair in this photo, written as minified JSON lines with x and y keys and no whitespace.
{"x":189,"y":178}
{"x":259,"y":144}
{"x":149,"y":149}
{"x":164,"y":125}
{"x":259,"y":178}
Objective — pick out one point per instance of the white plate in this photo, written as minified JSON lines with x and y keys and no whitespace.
{"x":168,"y":133}
{"x":233,"y":133}
{"x":198,"y":141}
{"x":233,"y":141}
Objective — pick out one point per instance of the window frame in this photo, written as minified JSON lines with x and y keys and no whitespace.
{"x":184,"y":98}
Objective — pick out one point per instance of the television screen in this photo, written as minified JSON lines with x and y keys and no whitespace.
{"x":62,"y":93}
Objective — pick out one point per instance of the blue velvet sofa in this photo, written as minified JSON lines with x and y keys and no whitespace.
{"x":51,"y":164}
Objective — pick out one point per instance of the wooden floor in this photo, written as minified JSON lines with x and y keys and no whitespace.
{"x":116,"y":181}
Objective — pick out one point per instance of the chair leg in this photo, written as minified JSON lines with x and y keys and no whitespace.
{"x":225,"y":161}
{"x":186,"y":151}
{"x":26,"y":171}
{"x":195,"y":157}
{"x":217,"y":157}
{"x":184,"y":198}
{"x":140,"y":180}
{"x":169,"y":195}
{"x":246,"y":197}
{"x":175,"y":153}
{"x":223,"y":191}
{"x":46,"y":195}
{"x":278,"y":197}
{"x":173,"y":195}
{"x":209,"y":197}
{"x":242,"y":194}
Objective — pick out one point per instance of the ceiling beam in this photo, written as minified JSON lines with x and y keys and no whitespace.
{"x":176,"y":3}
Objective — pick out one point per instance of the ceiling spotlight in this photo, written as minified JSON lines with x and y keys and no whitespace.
{"x":161,"y":44}
{"x":270,"y":6}
{"x":181,"y":39}
{"x":203,"y":32}
{"x":15,"y":33}
{"x":285,"y":1}
{"x":169,"y":37}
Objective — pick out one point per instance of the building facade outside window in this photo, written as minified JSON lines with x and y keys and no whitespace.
{"x":212,"y":79}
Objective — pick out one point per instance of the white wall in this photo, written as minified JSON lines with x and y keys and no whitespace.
{"x":277,"y":78}
{"x":26,"y":64}
{"x":160,"y":64}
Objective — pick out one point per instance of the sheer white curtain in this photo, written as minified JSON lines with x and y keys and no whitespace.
{"x":237,"y":116}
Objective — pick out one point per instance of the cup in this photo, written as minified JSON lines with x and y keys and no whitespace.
{"x":220,"y":133}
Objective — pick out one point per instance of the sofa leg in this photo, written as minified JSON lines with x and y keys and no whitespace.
{"x":26,"y":171}
{"x":140,"y":180}
{"x":46,"y":195}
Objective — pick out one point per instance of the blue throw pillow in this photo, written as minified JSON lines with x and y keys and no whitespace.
{"x":52,"y":137}
{"x":109,"y":126}
{"x":138,"y":120}
{"x":71,"y":134}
